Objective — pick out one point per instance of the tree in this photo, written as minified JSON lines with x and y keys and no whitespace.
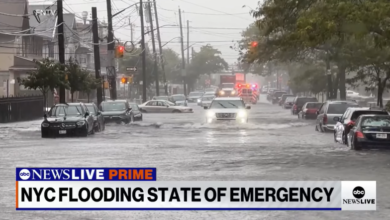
{"x":76,"y":76}
{"x":172,"y":65}
{"x":206,"y":61}
{"x":47,"y":77}
{"x":90,"y":84}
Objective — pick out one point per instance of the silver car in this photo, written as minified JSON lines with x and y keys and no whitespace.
{"x":330,"y":110}
{"x":162,"y":106}
{"x":179,"y":99}
{"x":206,"y":100}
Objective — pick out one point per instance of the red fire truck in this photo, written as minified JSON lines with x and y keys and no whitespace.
{"x":248,"y":92}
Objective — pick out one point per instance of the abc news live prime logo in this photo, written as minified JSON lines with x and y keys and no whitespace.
{"x":24,"y":174}
{"x":358,"y":195}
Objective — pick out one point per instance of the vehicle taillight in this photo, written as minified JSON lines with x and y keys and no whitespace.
{"x":351,"y":123}
{"x":325,"y":119}
{"x":359,"y":134}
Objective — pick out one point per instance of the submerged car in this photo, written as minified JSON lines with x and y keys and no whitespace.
{"x":118,"y":111}
{"x":206,"y":100}
{"x":136,"y":111}
{"x":98,"y":118}
{"x":194,"y":96}
{"x":370,"y":131}
{"x":227,"y":109}
{"x":72,"y":119}
{"x":162,"y":106}
{"x":179,"y":100}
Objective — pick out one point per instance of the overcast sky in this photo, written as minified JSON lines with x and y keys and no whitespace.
{"x":214,"y":22}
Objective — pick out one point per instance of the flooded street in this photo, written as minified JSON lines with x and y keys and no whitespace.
{"x":274,"y":145}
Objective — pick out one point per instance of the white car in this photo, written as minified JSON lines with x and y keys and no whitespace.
{"x":162,"y":106}
{"x":209,"y":93}
{"x":227,"y":109}
{"x":206,"y":100}
{"x":351,"y":93}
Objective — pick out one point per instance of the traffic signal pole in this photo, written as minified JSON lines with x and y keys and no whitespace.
{"x":61,"y":43}
{"x":183,"y":63}
{"x":143,"y":54}
{"x":155,"y":68}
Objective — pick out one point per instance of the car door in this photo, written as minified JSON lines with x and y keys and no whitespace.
{"x":163,"y":107}
{"x":150,"y":106}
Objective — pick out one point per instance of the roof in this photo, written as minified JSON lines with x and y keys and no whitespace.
{"x":8,"y":23}
{"x":227,"y":98}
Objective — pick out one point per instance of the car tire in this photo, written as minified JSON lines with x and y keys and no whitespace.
{"x":176,"y":111}
{"x":45,"y":135}
{"x":353,"y":146}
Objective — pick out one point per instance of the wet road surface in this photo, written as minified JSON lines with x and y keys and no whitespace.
{"x":274,"y":145}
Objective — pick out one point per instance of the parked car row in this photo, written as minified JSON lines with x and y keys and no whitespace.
{"x":82,"y":119}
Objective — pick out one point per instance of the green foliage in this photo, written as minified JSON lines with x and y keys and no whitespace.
{"x":90,"y":84}
{"x":172,"y":65}
{"x":47,"y":77}
{"x":76,"y":76}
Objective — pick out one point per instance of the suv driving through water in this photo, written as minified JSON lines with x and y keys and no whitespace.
{"x":227,"y":109}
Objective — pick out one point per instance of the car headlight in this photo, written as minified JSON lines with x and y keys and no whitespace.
{"x":222,"y":92}
{"x":80,"y":123}
{"x":233,"y":92}
{"x":45,"y":125}
{"x":210,"y":114}
{"x":241,"y":114}
{"x":198,"y":100}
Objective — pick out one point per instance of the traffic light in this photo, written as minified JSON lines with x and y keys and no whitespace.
{"x":124,"y":80}
{"x":254,"y":44}
{"x":119,"y":51}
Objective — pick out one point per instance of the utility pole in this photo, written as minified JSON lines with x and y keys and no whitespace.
{"x":160,"y":48}
{"x":131,"y":30}
{"x":188,"y":42}
{"x":61,"y":42}
{"x":96,"y":53}
{"x":155,"y":68}
{"x":111,"y":71}
{"x":183,"y":63}
{"x":143,"y":54}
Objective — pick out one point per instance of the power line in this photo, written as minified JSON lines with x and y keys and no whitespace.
{"x":197,"y":13}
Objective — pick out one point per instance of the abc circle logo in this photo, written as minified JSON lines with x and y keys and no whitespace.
{"x":358,"y":192}
{"x":24,"y":174}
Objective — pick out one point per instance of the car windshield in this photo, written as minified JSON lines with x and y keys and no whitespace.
{"x":227,"y":85}
{"x":356,"y":114}
{"x":113,"y":106}
{"x":376,"y":122}
{"x":284,"y":97}
{"x":134,"y":106}
{"x":178,"y":98}
{"x":302,"y":101}
{"x":290,"y":99}
{"x":70,"y":110}
{"x":279,"y":94}
{"x":340,"y":108}
{"x":227,"y":104}
{"x":91,"y":109}
{"x":313,"y":105}
{"x":207,"y":98}
{"x":160,"y":98}
{"x":193,"y":94}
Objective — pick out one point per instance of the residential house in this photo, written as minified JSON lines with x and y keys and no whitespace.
{"x":84,"y":48}
{"x":18,"y":46}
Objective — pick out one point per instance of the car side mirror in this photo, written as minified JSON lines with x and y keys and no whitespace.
{"x":86,"y":114}
{"x":205,"y":107}
{"x":248,"y":107}
{"x":336,"y":119}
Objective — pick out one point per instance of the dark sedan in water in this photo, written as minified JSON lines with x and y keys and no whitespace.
{"x":117,"y":111}
{"x":72,"y":119}
{"x":370,"y":131}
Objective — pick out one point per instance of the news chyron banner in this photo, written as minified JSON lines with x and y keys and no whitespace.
{"x":138,"y":189}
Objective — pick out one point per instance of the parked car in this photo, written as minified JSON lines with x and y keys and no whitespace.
{"x":276,"y":96}
{"x":161,"y":98}
{"x":179,"y":99}
{"x":289,"y":102}
{"x":161,"y":106}
{"x":309,"y":110}
{"x":136,"y":111}
{"x":118,"y":111}
{"x":98,"y":118}
{"x":328,"y":111}
{"x":270,"y":93}
{"x":370,"y":131}
{"x":299,"y":102}
{"x":72,"y":119}
{"x":283,"y":98}
{"x":347,"y":121}
{"x":194,"y":96}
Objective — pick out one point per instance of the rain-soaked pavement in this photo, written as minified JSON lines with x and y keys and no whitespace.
{"x":274,"y":146}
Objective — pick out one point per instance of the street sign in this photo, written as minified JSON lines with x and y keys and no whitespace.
{"x":131,"y":69}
